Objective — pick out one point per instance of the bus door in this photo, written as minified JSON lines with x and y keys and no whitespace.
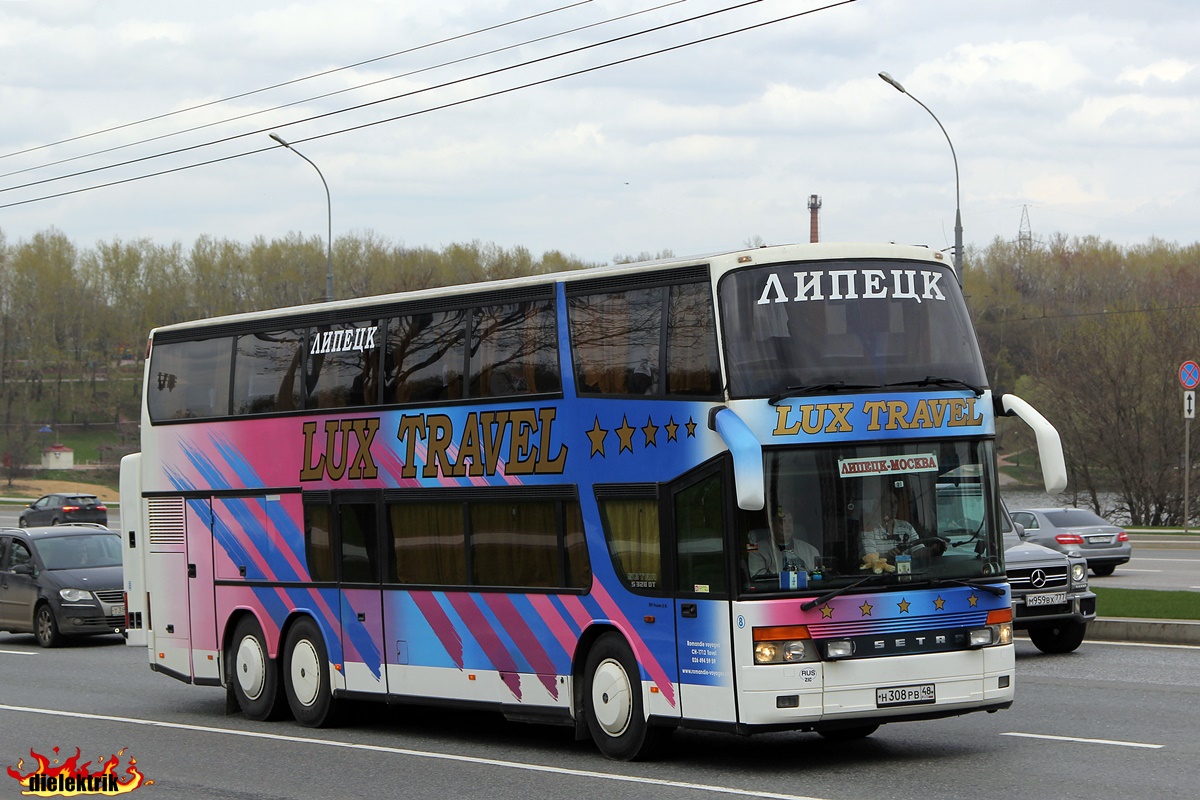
{"x":702,"y":608}
{"x":168,"y":585}
{"x":359,"y":542}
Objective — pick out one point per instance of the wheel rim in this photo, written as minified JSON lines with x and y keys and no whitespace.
{"x":251,"y":667}
{"x":45,"y":625}
{"x":305,"y":673}
{"x":612,"y":697}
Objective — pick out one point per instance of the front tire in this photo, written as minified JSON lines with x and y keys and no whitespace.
{"x":45,"y":627}
{"x":306,"y":676}
{"x":616,"y":717}
{"x":255,"y":674}
{"x":1058,"y":637}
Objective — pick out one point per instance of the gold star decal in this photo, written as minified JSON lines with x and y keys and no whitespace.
{"x":651,"y":432}
{"x":672,"y":428}
{"x":939,"y":604}
{"x":691,"y":428}
{"x":866,"y":608}
{"x":597,"y":434}
{"x":827,"y":611}
{"x":973,"y":600}
{"x":625,"y":434}
{"x":903,"y":605}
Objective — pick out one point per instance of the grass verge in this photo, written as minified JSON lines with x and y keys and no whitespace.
{"x":1147,"y":603}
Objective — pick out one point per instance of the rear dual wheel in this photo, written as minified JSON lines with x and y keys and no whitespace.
{"x":255,"y":673}
{"x":306,"y":676}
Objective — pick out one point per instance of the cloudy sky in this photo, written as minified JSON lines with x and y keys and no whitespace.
{"x":599,"y":128}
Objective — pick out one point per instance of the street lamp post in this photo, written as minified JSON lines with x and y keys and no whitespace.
{"x":329,"y":214}
{"x":958,"y":243}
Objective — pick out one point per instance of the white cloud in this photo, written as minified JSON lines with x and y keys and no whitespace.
{"x":1171,"y":70}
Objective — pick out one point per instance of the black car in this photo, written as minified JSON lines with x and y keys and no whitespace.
{"x":58,"y":508}
{"x":61,"y":581}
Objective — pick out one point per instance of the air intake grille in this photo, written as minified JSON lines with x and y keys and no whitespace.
{"x":166,"y":521}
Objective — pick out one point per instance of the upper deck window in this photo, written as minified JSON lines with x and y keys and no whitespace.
{"x":189,"y":379}
{"x":857,"y":322}
{"x":625,"y":342}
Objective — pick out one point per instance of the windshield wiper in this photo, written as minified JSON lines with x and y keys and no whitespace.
{"x":996,"y":590}
{"x":931,"y":380}
{"x":811,"y":604}
{"x":833,"y":387}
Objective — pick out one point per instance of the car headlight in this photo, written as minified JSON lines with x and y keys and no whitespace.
{"x":75,"y":595}
{"x":1079,"y":573}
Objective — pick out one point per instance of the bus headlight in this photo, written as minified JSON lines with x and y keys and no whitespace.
{"x":999,"y":630}
{"x":783,"y":644}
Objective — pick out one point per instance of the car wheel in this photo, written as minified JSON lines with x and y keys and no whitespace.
{"x":56,"y":521}
{"x":613,"y":698}
{"x":306,"y":676}
{"x":846,"y":734}
{"x":1058,"y":637}
{"x":45,"y":627}
{"x":255,"y":675}
{"x":1104,"y":570}
{"x":23,"y":523}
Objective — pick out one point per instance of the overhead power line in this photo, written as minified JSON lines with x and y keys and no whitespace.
{"x":531,"y":84}
{"x":326,"y":95}
{"x":280,"y":85}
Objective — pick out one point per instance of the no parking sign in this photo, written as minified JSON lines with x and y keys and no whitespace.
{"x":1189,"y":375}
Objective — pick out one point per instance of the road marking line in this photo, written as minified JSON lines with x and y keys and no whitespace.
{"x":1086,"y":741}
{"x":18,"y":653}
{"x":1135,"y":569}
{"x":1145,"y":644}
{"x":401,"y":751}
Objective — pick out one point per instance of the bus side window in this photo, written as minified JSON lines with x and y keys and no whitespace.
{"x":692,"y":364}
{"x":359,"y":543}
{"x":428,"y":546}
{"x":632,"y":532}
{"x":698,"y":538}
{"x":426,"y":356}
{"x":318,"y":543}
{"x":615,"y":341}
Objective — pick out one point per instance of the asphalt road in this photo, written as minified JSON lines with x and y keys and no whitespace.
{"x":1156,"y":567}
{"x":1108,"y":721}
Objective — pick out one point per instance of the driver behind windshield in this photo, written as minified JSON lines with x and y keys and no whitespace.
{"x":887,"y":534}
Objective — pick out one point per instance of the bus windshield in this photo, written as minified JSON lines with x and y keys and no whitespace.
{"x":904,"y":513}
{"x":854,"y":324}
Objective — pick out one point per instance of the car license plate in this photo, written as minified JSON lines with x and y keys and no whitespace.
{"x":118,"y":611}
{"x":1051,"y":599}
{"x":905,"y":695}
{"x":1105,"y":539}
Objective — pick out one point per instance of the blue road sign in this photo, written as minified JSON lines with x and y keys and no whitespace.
{"x":1189,"y":374}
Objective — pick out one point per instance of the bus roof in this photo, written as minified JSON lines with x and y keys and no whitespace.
{"x":818,"y":251}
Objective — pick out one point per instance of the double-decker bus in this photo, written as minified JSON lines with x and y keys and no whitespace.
{"x":753,"y":491}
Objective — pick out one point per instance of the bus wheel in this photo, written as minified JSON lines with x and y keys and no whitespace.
{"x":306,"y":676}
{"x":613,"y":694}
{"x":255,"y":675}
